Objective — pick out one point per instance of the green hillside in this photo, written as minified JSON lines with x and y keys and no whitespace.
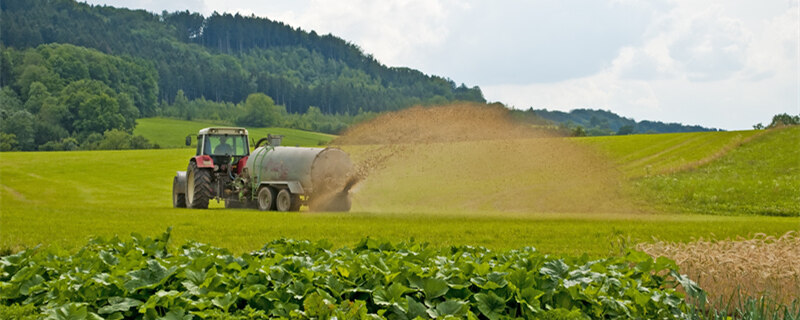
{"x":651,"y":154}
{"x":222,"y":57}
{"x":170,"y":133}
{"x":762,"y":177}
{"x":740,"y":172}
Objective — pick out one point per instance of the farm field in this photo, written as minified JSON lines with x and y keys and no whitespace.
{"x":67,"y":197}
{"x":445,"y":195}
{"x":170,"y":133}
{"x":643,"y":155}
{"x":761,"y":177}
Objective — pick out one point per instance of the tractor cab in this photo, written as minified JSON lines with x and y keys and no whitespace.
{"x":221,"y":148}
{"x":223,"y":142}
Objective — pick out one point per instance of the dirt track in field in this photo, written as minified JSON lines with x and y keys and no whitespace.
{"x":474,"y":158}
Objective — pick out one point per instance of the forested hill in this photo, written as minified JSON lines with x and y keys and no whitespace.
{"x":601,"y":122}
{"x":224,"y":58}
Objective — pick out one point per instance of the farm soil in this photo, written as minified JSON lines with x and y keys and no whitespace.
{"x":469,"y":158}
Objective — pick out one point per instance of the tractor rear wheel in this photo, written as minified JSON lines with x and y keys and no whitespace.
{"x":266,"y":199}
{"x":283,"y":202}
{"x":198,"y":187}
{"x":178,"y":196}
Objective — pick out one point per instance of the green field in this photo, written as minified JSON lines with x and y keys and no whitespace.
{"x":761,"y":177}
{"x":729,"y":173}
{"x":64,"y":198}
{"x":652,"y":154}
{"x":170,"y":133}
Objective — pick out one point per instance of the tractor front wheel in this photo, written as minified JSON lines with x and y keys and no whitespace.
{"x":198,"y":187}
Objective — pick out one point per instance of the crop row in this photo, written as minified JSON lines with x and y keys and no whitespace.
{"x":143,"y":278}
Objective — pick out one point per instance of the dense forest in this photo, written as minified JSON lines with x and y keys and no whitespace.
{"x":602,"y":123}
{"x":61,"y":97}
{"x":226,"y":57}
{"x":77,"y":73}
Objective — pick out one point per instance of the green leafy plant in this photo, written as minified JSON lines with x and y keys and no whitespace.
{"x":141,"y":278}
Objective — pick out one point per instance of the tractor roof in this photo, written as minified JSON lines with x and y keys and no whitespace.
{"x":224,"y":130}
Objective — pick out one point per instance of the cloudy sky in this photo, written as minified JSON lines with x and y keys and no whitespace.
{"x":719,"y":63}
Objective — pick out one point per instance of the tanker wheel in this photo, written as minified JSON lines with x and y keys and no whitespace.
{"x":265,"y":199}
{"x":285,"y":201}
{"x":295,"y":203}
{"x":178,"y":199}
{"x":198,"y":187}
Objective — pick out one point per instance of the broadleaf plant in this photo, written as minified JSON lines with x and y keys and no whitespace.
{"x":142,"y":278}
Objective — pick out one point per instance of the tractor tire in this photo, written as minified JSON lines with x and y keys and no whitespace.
{"x":178,"y":197}
{"x":283,"y":201}
{"x":198,"y":187}
{"x":266,"y":199}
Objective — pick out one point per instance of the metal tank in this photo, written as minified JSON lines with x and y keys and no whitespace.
{"x":319,"y":174}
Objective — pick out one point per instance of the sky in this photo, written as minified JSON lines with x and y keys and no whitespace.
{"x":725,"y":64}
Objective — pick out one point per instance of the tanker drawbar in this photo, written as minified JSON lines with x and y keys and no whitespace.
{"x":270,"y":178}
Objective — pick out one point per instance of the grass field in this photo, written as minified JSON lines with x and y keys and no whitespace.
{"x":170,"y":133}
{"x":64,"y":198}
{"x":652,"y":154}
{"x":761,"y":177}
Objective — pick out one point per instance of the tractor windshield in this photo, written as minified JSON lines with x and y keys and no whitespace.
{"x":232,"y":145}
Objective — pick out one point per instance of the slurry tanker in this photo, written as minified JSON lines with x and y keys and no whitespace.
{"x":271,"y":177}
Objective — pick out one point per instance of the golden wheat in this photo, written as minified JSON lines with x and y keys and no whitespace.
{"x":732,"y":271}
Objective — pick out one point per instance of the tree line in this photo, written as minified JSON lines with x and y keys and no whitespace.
{"x":260,"y":110}
{"x":225,"y":58}
{"x":779,"y":121}
{"x":63,"y":97}
{"x":588,"y":122}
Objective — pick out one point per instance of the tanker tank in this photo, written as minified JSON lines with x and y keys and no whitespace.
{"x":322,"y":174}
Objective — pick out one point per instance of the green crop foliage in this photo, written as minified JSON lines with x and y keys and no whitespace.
{"x":141,"y":278}
{"x":170,"y":133}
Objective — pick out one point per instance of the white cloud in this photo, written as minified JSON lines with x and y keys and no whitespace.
{"x":631,"y":98}
{"x":393,"y":31}
{"x":709,"y":64}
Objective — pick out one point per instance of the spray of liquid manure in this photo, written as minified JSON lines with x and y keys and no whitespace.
{"x":474,"y":158}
